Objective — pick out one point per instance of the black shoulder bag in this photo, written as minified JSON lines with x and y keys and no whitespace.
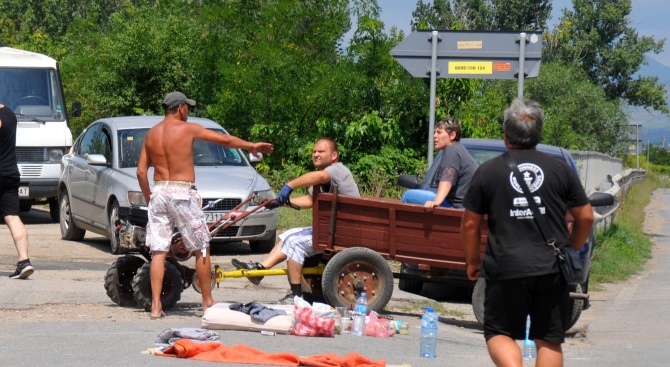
{"x":568,"y":259}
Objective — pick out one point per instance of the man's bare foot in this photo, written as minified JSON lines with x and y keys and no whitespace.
{"x":206,"y":305}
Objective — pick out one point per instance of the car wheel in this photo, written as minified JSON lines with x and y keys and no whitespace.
{"x":119,"y":278}
{"x":263,"y":246}
{"x":409,"y":285}
{"x":111,"y":229}
{"x":68,"y":229}
{"x":478,"y":295}
{"x":171,"y":291}
{"x":575,"y":307}
{"x":54,"y":210}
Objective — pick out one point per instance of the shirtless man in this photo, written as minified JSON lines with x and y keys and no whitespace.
{"x":174,"y":200}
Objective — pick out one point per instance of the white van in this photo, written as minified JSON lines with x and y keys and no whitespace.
{"x":30,"y":85}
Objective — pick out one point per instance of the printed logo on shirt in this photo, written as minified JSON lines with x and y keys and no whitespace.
{"x":532,"y":175}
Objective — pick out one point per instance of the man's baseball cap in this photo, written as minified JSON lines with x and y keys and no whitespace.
{"x":174,"y":99}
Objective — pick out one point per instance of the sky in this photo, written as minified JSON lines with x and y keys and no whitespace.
{"x":649,"y":17}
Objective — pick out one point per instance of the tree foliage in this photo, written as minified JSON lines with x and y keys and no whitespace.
{"x":597,"y":36}
{"x":277,"y":71}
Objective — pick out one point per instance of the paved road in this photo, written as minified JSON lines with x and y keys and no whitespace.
{"x":61,"y":316}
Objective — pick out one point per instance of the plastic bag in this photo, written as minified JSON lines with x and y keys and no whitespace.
{"x":378,"y":326}
{"x":311,"y":320}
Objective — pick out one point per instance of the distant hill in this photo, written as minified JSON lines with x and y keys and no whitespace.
{"x":655,"y":125}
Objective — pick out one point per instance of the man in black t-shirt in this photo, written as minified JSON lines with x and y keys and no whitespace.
{"x":9,"y":191}
{"x":522,"y":276}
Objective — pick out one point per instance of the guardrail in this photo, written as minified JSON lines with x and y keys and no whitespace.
{"x":602,"y":173}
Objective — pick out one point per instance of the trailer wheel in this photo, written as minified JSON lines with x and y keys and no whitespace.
{"x":478,"y":295}
{"x":357,"y":270}
{"x":173,"y":285}
{"x":119,"y":278}
{"x":574,"y":309}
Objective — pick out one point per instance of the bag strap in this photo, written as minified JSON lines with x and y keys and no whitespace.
{"x":539,"y":219}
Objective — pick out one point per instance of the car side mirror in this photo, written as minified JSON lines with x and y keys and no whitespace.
{"x":96,"y":160}
{"x":409,"y":181}
{"x":254,"y":160}
{"x":601,"y":199}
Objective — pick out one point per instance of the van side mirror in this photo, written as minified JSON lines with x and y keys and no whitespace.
{"x":75,"y":111}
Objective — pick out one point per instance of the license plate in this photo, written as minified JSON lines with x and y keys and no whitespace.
{"x":213,"y":217}
{"x":24,"y":191}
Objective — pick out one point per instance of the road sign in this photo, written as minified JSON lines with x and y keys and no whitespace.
{"x":470,"y":54}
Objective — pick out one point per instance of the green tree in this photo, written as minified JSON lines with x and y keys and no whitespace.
{"x":497,"y":15}
{"x":597,"y":37}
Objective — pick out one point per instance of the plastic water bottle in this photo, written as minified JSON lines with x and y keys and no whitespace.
{"x":529,"y":350}
{"x":360,"y":310}
{"x":428,"y":333}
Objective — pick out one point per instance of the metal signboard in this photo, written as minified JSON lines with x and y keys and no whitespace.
{"x":470,"y":54}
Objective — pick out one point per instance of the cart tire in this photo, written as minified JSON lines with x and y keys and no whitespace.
{"x":575,"y":307}
{"x":357,"y":270}
{"x":173,"y":285}
{"x":263,"y":246}
{"x":478,"y":295}
{"x":119,"y":278}
{"x":409,"y":285}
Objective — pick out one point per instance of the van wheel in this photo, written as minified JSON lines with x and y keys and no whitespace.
{"x":68,"y":229}
{"x":173,"y":285}
{"x":356,"y":270}
{"x":54,"y":210}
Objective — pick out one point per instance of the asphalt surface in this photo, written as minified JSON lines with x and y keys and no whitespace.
{"x":61,"y":315}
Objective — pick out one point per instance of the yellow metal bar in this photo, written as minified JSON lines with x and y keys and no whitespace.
{"x":243,"y":273}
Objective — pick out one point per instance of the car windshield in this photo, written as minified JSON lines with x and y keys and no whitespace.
{"x":204,"y":153}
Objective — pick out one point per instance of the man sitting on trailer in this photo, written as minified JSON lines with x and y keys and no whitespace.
{"x":296,"y":244}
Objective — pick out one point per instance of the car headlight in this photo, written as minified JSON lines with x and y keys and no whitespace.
{"x":262,"y":196}
{"x":55,"y":154}
{"x":136,"y":198}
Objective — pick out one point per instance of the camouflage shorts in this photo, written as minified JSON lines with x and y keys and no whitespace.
{"x":176,"y":206}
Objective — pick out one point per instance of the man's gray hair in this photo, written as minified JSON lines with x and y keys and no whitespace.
{"x":523,"y":122}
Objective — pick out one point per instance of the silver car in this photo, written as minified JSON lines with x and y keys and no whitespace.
{"x":99,"y":176}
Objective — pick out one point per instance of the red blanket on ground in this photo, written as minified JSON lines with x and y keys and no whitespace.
{"x":217,"y":352}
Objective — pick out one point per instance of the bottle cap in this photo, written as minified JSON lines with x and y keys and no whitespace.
{"x":428,"y":309}
{"x":362,"y":294}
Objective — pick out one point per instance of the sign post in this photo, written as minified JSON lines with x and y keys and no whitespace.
{"x":469,"y":54}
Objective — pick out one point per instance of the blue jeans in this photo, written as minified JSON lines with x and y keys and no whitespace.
{"x":416,"y":196}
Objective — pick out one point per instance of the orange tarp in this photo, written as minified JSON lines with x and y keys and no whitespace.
{"x":217,"y":352}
